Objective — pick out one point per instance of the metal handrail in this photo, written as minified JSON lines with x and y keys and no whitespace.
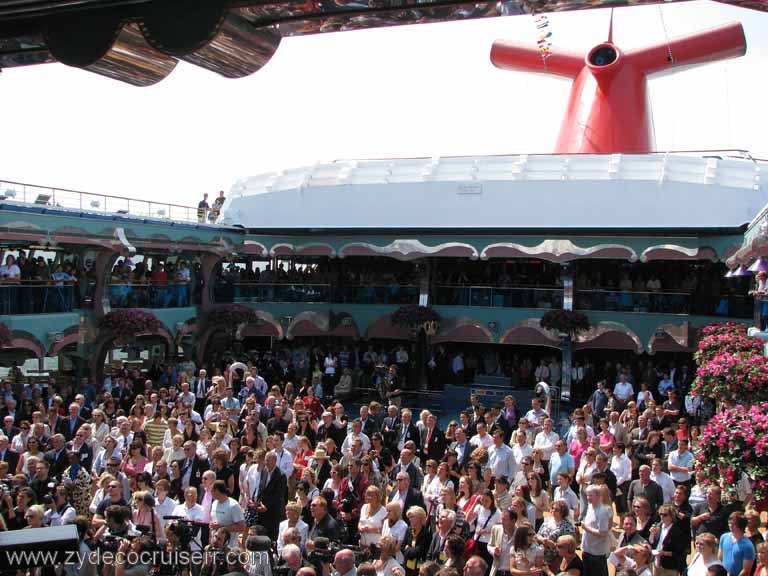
{"x":97,"y":203}
{"x":491,"y":287}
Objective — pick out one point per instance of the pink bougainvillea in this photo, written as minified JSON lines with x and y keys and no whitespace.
{"x":735,"y":441}
{"x":738,"y":377}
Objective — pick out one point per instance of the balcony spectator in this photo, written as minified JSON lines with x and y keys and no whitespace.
{"x":202,"y":209}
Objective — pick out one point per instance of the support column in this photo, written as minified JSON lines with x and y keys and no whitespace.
{"x":566,"y":275}
{"x":102,"y":267}
{"x":207,"y":268}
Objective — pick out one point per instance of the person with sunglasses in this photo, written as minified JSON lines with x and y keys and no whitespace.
{"x":668,"y":544}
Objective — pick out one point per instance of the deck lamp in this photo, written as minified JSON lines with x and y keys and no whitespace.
{"x":729,"y":274}
{"x":758,"y":265}
{"x":741,"y":271}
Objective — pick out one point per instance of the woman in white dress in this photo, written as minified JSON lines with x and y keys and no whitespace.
{"x":372,"y":516}
{"x":99,"y":426}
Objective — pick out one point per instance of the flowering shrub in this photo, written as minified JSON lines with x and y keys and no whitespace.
{"x":724,"y":328}
{"x":232,"y":315}
{"x":736,"y":441}
{"x":567,"y":321}
{"x":127,"y":324}
{"x":739,"y":377}
{"x":5,"y":335}
{"x":716,"y":344}
{"x":413,"y":316}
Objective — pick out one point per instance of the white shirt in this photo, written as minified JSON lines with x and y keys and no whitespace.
{"x":194,"y":513}
{"x":165,"y":508}
{"x":397,"y":532}
{"x":521,"y":452}
{"x":623,"y":391}
{"x":546,"y":443}
{"x":8,"y":271}
{"x":482,"y":442}
{"x":600,"y":519}
{"x":621,"y":466}
{"x":502,"y":461}
{"x":351,"y":437}
{"x":368,"y":521}
{"x":227,"y":513}
{"x":569,"y":497}
{"x":284,"y":462}
{"x":302,"y":528}
{"x":667,"y":485}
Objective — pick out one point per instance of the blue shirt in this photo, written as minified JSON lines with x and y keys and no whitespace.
{"x":557,"y":463}
{"x":736,"y":553}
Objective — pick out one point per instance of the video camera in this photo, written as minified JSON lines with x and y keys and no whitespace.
{"x":184,"y":529}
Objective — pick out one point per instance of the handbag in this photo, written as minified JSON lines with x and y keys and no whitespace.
{"x":471,"y":545}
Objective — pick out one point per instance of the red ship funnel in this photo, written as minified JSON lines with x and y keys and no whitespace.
{"x":608,"y":109}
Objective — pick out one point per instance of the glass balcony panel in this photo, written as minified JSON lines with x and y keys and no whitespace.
{"x":38,"y":298}
{"x":150,"y":296}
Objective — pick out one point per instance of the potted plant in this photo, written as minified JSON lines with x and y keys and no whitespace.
{"x":565,"y":322}
{"x":126,"y":324}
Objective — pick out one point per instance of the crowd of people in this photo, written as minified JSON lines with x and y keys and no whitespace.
{"x":184,"y":459}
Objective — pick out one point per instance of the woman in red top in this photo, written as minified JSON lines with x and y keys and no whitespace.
{"x":303,"y":454}
{"x":313,"y":404}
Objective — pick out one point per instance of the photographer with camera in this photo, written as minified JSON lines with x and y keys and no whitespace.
{"x":59,"y":510}
{"x":291,"y":562}
{"x":14,"y":515}
{"x":220,"y":559}
{"x":144,"y":517}
{"x":42,"y":484}
{"x":133,"y":557}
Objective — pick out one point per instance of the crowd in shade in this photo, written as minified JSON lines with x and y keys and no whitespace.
{"x":185,"y":459}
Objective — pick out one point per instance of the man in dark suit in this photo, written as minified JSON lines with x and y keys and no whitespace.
{"x":324,"y":525}
{"x":192,"y":467}
{"x":405,"y":495}
{"x":273,"y":495}
{"x":462,"y":447}
{"x":57,"y":456}
{"x":389,"y":427}
{"x":202,"y":386}
{"x":367,"y":423}
{"x":9,"y":427}
{"x":432,"y":441}
{"x":406,"y":464}
{"x":69,"y":426}
{"x":8,"y":455}
{"x":406,"y":431}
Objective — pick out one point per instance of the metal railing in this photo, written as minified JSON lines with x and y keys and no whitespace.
{"x":38,"y":298}
{"x":89,"y":202}
{"x":309,"y":293}
{"x":731,"y":305}
{"x":509,"y":297}
{"x":151,"y":295}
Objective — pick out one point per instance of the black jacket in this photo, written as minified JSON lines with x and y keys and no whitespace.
{"x":326,"y":528}
{"x":415,"y":552}
{"x":412,"y":498}
{"x":436,"y":449}
{"x":674,"y":542}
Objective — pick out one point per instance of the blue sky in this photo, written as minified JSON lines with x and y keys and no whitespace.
{"x":424,"y":90}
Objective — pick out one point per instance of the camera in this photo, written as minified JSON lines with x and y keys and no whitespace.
{"x":185,"y":530}
{"x":324,"y":552}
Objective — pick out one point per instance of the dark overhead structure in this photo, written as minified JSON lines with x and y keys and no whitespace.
{"x":140,"y":41}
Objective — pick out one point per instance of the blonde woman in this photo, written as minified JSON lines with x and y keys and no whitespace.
{"x":387,"y":564}
{"x":372,"y":516}
{"x":143,"y":514}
